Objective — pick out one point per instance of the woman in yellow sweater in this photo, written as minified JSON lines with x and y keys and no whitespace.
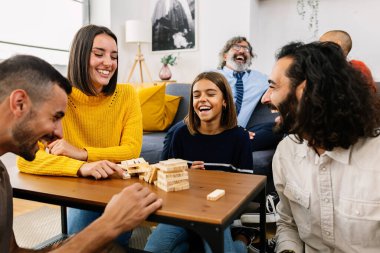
{"x":103,"y":121}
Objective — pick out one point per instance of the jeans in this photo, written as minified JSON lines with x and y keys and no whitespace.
{"x":78,"y":219}
{"x":172,"y":239}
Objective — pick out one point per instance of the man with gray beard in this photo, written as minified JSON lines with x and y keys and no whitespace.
{"x":236,"y":58}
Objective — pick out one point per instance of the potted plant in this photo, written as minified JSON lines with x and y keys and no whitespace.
{"x":165,"y":73}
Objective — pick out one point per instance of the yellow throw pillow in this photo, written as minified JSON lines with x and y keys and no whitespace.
{"x":158,"y":109}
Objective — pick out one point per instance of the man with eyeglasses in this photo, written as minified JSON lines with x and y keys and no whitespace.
{"x":235,"y":60}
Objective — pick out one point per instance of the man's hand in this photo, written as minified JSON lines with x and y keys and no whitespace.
{"x":130,"y":207}
{"x":198,"y":165}
{"x":125,"y":211}
{"x":62,"y":147}
{"x":251,"y":135}
{"x":100,"y":169}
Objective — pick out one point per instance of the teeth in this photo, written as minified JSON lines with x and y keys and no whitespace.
{"x":104,"y":72}
{"x":204,"y":108}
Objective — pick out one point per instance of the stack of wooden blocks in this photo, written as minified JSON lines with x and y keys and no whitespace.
{"x":168,"y":175}
{"x":172,"y":175}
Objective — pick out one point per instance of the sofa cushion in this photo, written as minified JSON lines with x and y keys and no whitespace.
{"x":183,"y":90}
{"x":158,"y":109}
{"x":152,"y":146}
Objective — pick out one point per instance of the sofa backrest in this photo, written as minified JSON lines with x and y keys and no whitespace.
{"x":183,"y":90}
{"x":261,"y":114}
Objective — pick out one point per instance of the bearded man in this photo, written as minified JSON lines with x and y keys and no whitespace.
{"x":326,"y":171}
{"x":235,"y":60}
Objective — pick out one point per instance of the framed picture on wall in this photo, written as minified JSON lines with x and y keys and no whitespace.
{"x":173,"y":25}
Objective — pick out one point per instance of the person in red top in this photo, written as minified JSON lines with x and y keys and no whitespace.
{"x":343,"y":39}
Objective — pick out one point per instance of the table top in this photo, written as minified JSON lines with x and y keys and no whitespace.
{"x":190,"y":205}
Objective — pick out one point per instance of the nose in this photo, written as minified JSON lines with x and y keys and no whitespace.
{"x":265,"y":99}
{"x":107,"y":61}
{"x":58,"y":131}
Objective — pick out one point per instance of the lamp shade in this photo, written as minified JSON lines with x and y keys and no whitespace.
{"x":137,"y":31}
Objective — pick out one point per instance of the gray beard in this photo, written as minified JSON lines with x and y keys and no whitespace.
{"x":237,"y":66}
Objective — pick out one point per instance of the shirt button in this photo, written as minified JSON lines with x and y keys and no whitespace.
{"x":326,"y":200}
{"x":357,"y":212}
{"x":323,"y":169}
{"x":328,"y":233}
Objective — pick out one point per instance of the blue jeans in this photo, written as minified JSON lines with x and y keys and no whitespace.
{"x":78,"y":219}
{"x":172,"y":239}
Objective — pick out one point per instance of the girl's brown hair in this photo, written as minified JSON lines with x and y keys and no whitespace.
{"x":229,"y":117}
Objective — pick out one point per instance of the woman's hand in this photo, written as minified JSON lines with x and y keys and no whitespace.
{"x":63,"y":148}
{"x":199,"y":165}
{"x":100,"y":169}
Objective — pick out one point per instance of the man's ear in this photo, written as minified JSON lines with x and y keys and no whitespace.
{"x":299,"y":90}
{"x":19,"y":102}
{"x":225,"y":56}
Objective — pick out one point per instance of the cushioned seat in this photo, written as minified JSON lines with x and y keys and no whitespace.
{"x":153,"y":142}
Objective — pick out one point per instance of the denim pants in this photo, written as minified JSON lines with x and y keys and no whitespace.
{"x":172,"y":239}
{"x":78,"y":219}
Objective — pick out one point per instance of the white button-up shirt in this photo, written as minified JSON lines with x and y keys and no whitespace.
{"x":328,"y":203}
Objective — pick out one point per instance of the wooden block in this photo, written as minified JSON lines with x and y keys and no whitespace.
{"x":153,"y":175}
{"x":132,"y":163}
{"x":139,"y":169}
{"x":177,"y":187}
{"x":126,"y":175}
{"x":215,"y":195}
{"x":172,"y":165}
{"x":172,"y":176}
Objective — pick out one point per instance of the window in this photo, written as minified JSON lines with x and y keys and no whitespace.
{"x":44,"y":28}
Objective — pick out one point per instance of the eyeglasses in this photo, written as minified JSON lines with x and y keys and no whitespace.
{"x":237,"y":47}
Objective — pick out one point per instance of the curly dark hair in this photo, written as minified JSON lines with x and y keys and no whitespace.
{"x":337,"y":107}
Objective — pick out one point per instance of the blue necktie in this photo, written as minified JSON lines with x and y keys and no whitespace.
{"x":239,"y":88}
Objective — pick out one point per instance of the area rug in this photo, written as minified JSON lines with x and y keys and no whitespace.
{"x":35,"y":227}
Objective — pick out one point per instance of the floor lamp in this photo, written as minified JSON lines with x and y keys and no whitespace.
{"x":138,"y":32}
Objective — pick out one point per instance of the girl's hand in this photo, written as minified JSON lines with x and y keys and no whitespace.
{"x":199,"y":165}
{"x":62,"y":147}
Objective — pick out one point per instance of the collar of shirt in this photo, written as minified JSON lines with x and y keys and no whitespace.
{"x":338,"y":154}
{"x":230,"y":72}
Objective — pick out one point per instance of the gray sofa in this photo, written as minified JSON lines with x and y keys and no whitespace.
{"x":153,"y":141}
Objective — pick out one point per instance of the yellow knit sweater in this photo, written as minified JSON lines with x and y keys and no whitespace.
{"x":108,"y":127}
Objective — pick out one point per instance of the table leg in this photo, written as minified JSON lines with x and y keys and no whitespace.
{"x":64,"y":220}
{"x":262,"y":198}
{"x":213,"y":235}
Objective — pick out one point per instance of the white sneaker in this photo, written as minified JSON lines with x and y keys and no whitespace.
{"x":271,"y":215}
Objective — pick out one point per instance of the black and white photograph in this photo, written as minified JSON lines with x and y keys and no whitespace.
{"x":173,"y":25}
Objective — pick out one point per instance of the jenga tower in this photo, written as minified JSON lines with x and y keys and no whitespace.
{"x":172,"y":175}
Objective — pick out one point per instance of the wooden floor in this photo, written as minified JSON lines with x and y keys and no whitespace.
{"x":21,"y":206}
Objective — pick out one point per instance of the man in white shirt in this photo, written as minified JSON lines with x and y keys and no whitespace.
{"x":327,"y":170}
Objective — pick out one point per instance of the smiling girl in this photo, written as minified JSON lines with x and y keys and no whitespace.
{"x":210,"y":140}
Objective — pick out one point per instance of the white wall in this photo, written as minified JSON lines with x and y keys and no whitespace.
{"x":276,"y":22}
{"x":216,"y":24}
{"x":269,"y":24}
